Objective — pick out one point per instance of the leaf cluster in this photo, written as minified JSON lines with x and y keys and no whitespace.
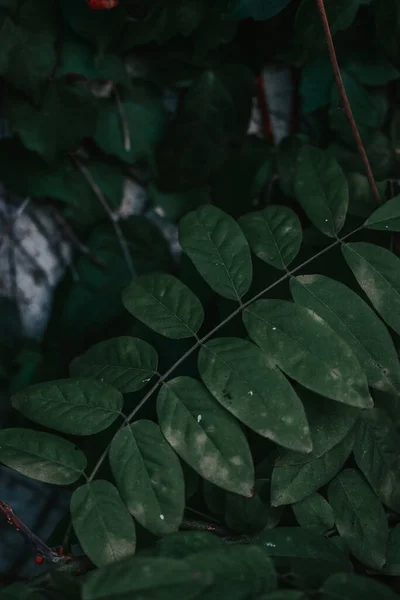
{"x":237,"y":433}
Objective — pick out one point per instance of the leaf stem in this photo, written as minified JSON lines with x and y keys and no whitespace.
{"x":345,"y":101}
{"x":114,"y":218}
{"x":202,"y":340}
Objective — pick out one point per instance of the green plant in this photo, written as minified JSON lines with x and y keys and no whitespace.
{"x":260,"y":458}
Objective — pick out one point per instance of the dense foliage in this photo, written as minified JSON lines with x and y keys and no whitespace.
{"x":228,"y":423}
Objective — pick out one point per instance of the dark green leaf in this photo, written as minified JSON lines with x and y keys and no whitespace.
{"x":288,"y":152}
{"x":356,"y":323}
{"x":8,"y":41}
{"x":369,"y":110}
{"x":213,"y":115}
{"x":314,"y":513}
{"x":104,"y":527}
{"x":322,"y":190}
{"x":252,"y":514}
{"x":127,"y":363}
{"x":274,"y":235}
{"x":235,"y":572}
{"x":57,"y":126}
{"x":245,"y":177}
{"x":316,"y":84}
{"x":97,"y":26}
{"x":359,"y":517}
{"x":283,"y":595}
{"x":18,"y":591}
{"x":145,"y":118}
{"x":377,"y":453}
{"x":219,"y":250}
{"x":293,"y":478}
{"x":181,"y":544}
{"x":303,"y":554}
{"x":354,"y":587}
{"x":155,"y":578}
{"x":362,"y":200}
{"x":204,"y":435}
{"x":240,"y":378}
{"x":300,"y":343}
{"x":165,"y":305}
{"x":392,"y":566}
{"x":27,"y":57}
{"x":259,"y":10}
{"x":149,"y":477}
{"x":42,"y":456}
{"x":386,"y":217}
{"x":76,"y":56}
{"x":377,"y":271}
{"x":387,"y":22}
{"x":309,"y":34}
{"x":371,"y":68}
{"x":75,"y":406}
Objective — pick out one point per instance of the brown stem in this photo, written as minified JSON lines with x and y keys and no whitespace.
{"x":345,"y":100}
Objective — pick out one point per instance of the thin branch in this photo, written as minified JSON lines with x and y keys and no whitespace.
{"x":201,"y":341}
{"x":111,"y":214}
{"x":345,"y":101}
{"x":75,"y":240}
{"x":124,"y":121}
{"x":21,"y":209}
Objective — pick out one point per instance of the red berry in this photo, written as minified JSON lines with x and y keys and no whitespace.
{"x":102,"y":4}
{"x":39,"y":559}
{"x":252,"y":492}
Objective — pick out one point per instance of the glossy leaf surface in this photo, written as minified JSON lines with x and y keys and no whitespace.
{"x":240,"y":378}
{"x":75,"y":406}
{"x":204,"y":435}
